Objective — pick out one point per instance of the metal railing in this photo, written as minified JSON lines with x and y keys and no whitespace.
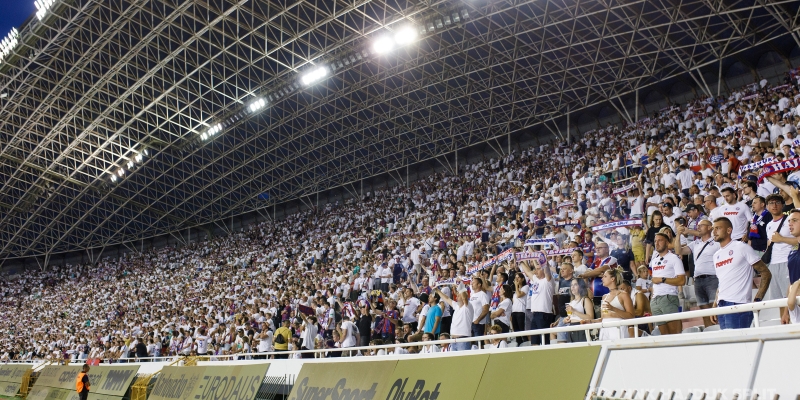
{"x":634,"y":322}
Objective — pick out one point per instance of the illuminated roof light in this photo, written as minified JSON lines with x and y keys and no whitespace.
{"x":405,"y":35}
{"x":130,"y":164}
{"x":145,"y":152}
{"x":8,"y":43}
{"x":258,"y":104}
{"x":383,"y":45}
{"x":113,"y":178}
{"x":42,"y":6}
{"x":121,"y":172}
{"x":138,"y":158}
{"x":314,"y":75}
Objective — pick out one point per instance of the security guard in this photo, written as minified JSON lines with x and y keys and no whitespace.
{"x":82,"y":383}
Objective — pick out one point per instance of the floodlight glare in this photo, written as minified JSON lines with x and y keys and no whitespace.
{"x":405,"y":35}
{"x":383,"y":45}
{"x":138,"y":158}
{"x":113,"y":178}
{"x":121,"y":172}
{"x":130,"y":164}
{"x":257,"y":105}
{"x":314,"y":75}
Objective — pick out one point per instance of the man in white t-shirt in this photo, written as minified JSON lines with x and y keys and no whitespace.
{"x":705,"y":275}
{"x":735,"y":262}
{"x":265,"y":341}
{"x":738,"y":213}
{"x":668,"y":274}
{"x":782,"y":242}
{"x":541,"y":291}
{"x":480,"y":305}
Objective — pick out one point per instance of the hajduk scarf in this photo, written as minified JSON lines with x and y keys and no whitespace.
{"x":561,"y":252}
{"x":624,"y":189}
{"x":617,"y":224}
{"x":532,"y":255}
{"x":778,"y":167}
{"x":568,"y":222}
{"x":481,"y":266}
{"x":755,"y":165}
{"x":541,"y":242}
{"x":566,"y":204}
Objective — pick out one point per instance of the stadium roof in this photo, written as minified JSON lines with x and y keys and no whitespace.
{"x":92,"y":85}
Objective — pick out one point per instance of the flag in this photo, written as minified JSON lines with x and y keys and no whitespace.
{"x":637,"y":155}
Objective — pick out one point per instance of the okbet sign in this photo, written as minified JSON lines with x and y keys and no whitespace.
{"x":442,"y":378}
{"x":342,"y":381}
{"x":235,"y":382}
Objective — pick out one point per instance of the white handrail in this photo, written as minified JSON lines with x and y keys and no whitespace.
{"x":749,"y":307}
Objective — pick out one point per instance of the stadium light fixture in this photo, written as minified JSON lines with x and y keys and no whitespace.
{"x":383,"y":45}
{"x":314,"y":75}
{"x":42,"y":6}
{"x":113,"y":178}
{"x":214,"y":130}
{"x":258,"y":104}
{"x":405,"y":35}
{"x":121,"y":172}
{"x":138,"y":157}
{"x":8,"y":43}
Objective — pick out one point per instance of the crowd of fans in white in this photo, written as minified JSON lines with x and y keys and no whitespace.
{"x":392,"y":267}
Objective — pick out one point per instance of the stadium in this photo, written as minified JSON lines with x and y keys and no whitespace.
{"x":399,"y":199}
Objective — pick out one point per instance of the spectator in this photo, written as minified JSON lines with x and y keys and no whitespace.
{"x":668,"y":274}
{"x":705,"y":275}
{"x":735,"y":262}
{"x":541,"y":294}
{"x":462,"y":318}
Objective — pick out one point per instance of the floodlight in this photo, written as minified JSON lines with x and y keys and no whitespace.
{"x":383,"y":45}
{"x":314,"y":75}
{"x":405,"y":35}
{"x":130,"y":164}
{"x":138,"y":158}
{"x":121,"y":172}
{"x":113,"y":178}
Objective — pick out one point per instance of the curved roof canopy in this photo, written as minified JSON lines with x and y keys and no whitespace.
{"x":164,"y":96}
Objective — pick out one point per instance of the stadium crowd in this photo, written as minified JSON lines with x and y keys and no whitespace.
{"x":453,"y":255}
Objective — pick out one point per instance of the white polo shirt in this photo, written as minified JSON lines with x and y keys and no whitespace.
{"x":666,"y":266}
{"x":703,"y":262}
{"x":734,"y":265}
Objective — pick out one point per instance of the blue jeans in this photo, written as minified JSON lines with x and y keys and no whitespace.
{"x":460,"y":346}
{"x":478,"y":329}
{"x":734,"y":321}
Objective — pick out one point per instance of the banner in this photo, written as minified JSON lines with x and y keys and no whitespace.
{"x":541,"y":242}
{"x":230,"y":382}
{"x":176,"y":383}
{"x":751,"y":97}
{"x":486,"y":264}
{"x":440,"y":378}
{"x":566,"y":204}
{"x":617,"y":224}
{"x":561,"y":252}
{"x":778,"y":167}
{"x":344,"y":380}
{"x":539,"y":256}
{"x":756,"y":165}
{"x":624,"y":189}
{"x":59,"y":376}
{"x":538,"y":374}
{"x":637,"y":154}
{"x":568,"y":222}
{"x":11,"y":378}
{"x":111,"y":380}
{"x":13,"y":372}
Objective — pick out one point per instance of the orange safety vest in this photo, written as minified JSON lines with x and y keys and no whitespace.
{"x":79,"y":386}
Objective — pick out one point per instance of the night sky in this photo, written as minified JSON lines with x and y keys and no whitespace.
{"x":13,"y":13}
